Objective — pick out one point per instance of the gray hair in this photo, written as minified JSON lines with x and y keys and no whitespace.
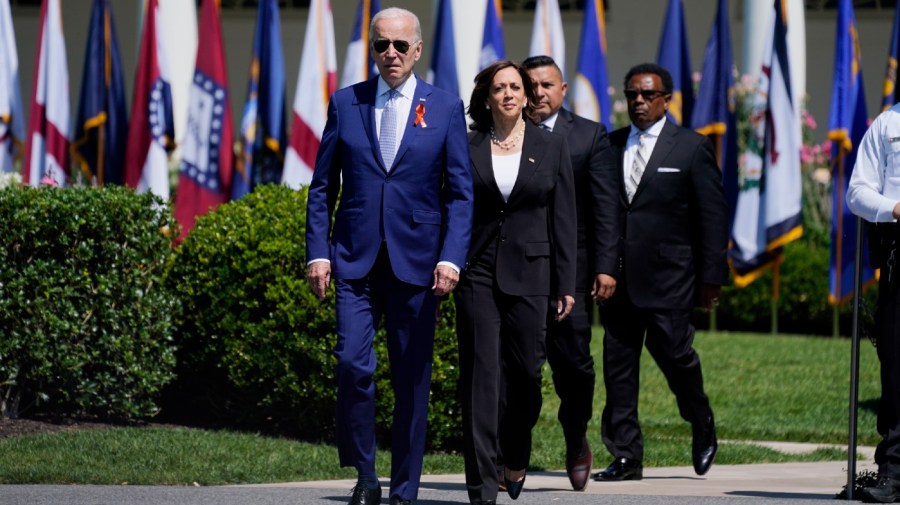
{"x":395,"y":12}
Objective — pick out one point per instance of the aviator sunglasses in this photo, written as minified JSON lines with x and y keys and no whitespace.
{"x":382,"y":45}
{"x":648,"y":94}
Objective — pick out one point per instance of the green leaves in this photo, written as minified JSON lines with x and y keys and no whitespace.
{"x":256,"y":344}
{"x":85,"y":326}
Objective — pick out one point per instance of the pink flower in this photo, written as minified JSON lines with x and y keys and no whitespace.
{"x":809,"y":120}
{"x":49,"y":181}
{"x":807,"y":155}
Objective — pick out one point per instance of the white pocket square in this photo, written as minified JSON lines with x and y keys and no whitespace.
{"x":668,"y":169}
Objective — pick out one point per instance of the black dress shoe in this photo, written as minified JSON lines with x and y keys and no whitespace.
{"x":887,"y":490}
{"x":579,"y":467}
{"x":365,"y":496}
{"x":486,"y":502}
{"x":621,"y":469}
{"x":704,"y":447}
{"x":396,"y":500}
{"x":514,"y":488}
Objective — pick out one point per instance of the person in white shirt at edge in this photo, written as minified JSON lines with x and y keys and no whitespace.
{"x":874,"y":195}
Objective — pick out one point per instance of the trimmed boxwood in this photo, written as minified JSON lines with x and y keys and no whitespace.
{"x":86,"y":324}
{"x":256,"y":344}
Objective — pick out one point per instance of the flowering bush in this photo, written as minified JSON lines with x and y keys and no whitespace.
{"x":8,"y":179}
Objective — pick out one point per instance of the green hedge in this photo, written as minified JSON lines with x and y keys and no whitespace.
{"x":87,"y":327}
{"x":256,"y":344}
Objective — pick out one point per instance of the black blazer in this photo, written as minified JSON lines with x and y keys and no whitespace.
{"x":536,"y":226}
{"x":676,"y":227}
{"x":592,"y":158}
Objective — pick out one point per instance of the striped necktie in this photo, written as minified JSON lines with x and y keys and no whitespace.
{"x":637,"y":167}
{"x":387,"y":137}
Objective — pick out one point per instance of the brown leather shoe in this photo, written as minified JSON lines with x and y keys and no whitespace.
{"x":579,"y":467}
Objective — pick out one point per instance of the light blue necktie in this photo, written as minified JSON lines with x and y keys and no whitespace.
{"x":388,"y":135}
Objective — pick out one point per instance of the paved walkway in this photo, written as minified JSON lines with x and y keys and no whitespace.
{"x":762,"y":484}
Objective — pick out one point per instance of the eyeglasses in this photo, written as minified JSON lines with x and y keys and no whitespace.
{"x":381,"y":45}
{"x":648,"y":94}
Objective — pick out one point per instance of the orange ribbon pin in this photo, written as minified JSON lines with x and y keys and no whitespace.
{"x":420,"y":116}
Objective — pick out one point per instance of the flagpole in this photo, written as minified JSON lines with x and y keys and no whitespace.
{"x":713,"y":314}
{"x":854,"y":361}
{"x":775,"y":271}
{"x":839,"y":247}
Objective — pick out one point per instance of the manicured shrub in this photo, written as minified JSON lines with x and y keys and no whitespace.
{"x":803,"y":306}
{"x":86,"y":324}
{"x":256,"y":344}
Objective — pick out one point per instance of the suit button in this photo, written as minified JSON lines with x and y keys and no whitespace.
{"x":502,"y":238}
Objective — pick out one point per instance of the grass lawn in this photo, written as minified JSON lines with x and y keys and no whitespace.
{"x":786,"y":388}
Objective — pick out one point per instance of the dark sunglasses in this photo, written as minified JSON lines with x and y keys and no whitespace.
{"x":648,"y":94}
{"x":381,"y":45}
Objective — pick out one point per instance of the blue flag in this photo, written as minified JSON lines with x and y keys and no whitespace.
{"x":675,"y":57}
{"x":442,"y":73}
{"x":358,"y":63}
{"x":714,"y":111}
{"x":847,"y":124}
{"x":591,"y":80}
{"x":492,"y":47}
{"x":263,"y":125}
{"x":890,"y":75}
{"x":101,"y":126}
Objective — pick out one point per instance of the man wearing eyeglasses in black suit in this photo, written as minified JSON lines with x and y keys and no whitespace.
{"x":673,"y":240}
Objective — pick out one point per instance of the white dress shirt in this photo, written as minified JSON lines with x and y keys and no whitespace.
{"x":632,"y":144}
{"x":404,"y":100}
{"x":874,"y":186}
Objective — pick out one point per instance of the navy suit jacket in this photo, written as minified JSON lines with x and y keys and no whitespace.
{"x":421,"y":207}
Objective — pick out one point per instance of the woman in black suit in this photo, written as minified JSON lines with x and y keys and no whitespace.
{"x":521,"y":264}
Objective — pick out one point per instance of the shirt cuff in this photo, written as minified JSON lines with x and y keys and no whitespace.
{"x":449,"y":264}
{"x":310,"y":262}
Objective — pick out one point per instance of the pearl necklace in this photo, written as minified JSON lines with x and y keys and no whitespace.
{"x":511,"y":141}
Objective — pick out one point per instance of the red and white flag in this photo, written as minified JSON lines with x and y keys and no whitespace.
{"x":315,"y":84}
{"x":207,"y":152}
{"x":47,"y":145}
{"x":151,"y":131}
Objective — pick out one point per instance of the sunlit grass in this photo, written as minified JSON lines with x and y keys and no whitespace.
{"x":761,"y":388}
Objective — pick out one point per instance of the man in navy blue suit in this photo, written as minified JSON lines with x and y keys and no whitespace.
{"x":396,"y":151}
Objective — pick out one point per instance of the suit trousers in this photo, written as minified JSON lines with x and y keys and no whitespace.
{"x":887,"y":340}
{"x":501,"y":352}
{"x":569,"y":356}
{"x":409,"y":319}
{"x":669,"y":339}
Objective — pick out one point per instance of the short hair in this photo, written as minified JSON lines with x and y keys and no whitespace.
{"x":394,"y":12}
{"x":482,"y":120}
{"x":652,"y":68}
{"x":541,"y":61}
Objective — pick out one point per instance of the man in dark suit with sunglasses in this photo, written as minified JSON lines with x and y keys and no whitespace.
{"x":673,"y":240}
{"x":396,"y":151}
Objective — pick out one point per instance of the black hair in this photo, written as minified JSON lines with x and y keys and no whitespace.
{"x":652,"y":68}
{"x":482,"y":120}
